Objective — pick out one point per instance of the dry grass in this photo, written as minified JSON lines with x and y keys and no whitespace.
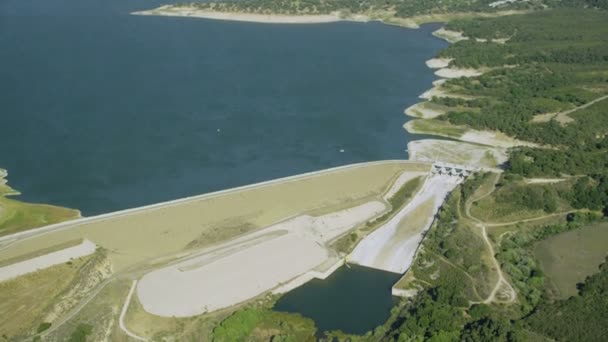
{"x":493,"y":209}
{"x":23,"y":300}
{"x":407,"y":282}
{"x":102,"y":312}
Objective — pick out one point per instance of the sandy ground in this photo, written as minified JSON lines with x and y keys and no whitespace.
{"x":424,"y":110}
{"x":449,"y":36}
{"x":438,"y":63}
{"x":47,"y":260}
{"x":438,"y":91}
{"x":544,"y":117}
{"x":462,"y":133}
{"x":434,"y":91}
{"x":543,"y":180}
{"x":248,"y":266}
{"x":456,"y":73}
{"x":496,"y":40}
{"x":456,"y":152}
{"x":496,"y":139}
{"x":193,"y":12}
{"x":392,"y":247}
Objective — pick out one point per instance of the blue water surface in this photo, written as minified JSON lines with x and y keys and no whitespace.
{"x":102,"y":110}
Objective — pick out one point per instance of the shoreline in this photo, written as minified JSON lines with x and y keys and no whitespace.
{"x":423,"y":112}
{"x":193,"y":12}
{"x":384,"y":16}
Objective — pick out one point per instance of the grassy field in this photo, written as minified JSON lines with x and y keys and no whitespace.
{"x":516,"y":200}
{"x":435,"y":127}
{"x":569,"y":257}
{"x":16,"y":216}
{"x":264,"y":325}
{"x":145,"y":235}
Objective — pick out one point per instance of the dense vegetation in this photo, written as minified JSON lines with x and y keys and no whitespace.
{"x":81,"y":332}
{"x":441,"y":313}
{"x":553,"y":61}
{"x":389,"y":10}
{"x":262,"y":324}
{"x":452,"y":239}
{"x":517,"y":258}
{"x":553,"y":65}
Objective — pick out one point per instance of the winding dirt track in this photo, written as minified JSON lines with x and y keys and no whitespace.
{"x":508,"y":290}
{"x":565,"y":114}
{"x":501,"y":282}
{"x":124,"y":311}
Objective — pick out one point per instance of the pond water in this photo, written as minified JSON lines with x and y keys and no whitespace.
{"x":354,"y":299}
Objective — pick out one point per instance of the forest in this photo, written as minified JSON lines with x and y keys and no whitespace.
{"x":553,"y":63}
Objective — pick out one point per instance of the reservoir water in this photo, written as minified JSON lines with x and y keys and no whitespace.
{"x":353,"y":299}
{"x":102,"y":110}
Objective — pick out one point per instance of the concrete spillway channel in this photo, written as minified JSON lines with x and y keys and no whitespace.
{"x":392,"y":247}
